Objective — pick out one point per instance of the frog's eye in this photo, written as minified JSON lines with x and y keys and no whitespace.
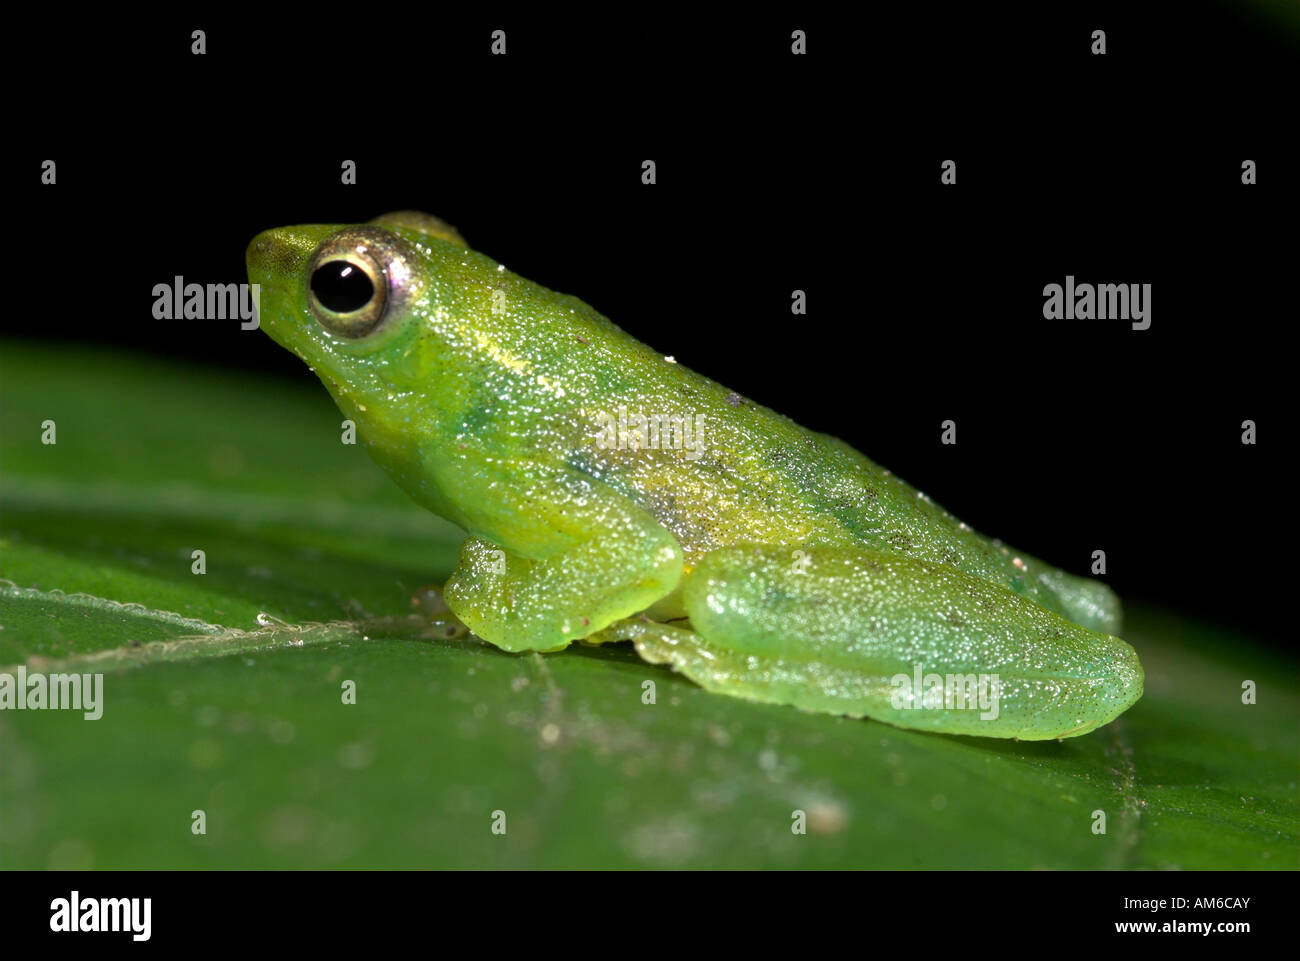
{"x":348,"y":293}
{"x":359,"y":280}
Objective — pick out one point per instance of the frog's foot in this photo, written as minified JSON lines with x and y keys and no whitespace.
{"x":723,"y":666}
{"x":647,"y":633}
{"x":654,"y":640}
{"x":442,"y":622}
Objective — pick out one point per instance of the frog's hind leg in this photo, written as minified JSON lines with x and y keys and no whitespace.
{"x":848,"y":631}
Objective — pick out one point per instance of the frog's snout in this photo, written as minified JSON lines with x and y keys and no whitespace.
{"x":274,"y":253}
{"x":276,"y":260}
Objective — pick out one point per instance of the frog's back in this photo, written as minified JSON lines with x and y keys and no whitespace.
{"x":738,"y":472}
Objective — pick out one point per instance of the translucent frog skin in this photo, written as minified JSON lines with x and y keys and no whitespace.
{"x":760,"y":559}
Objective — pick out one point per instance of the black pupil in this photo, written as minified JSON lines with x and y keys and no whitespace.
{"x":341,"y":287}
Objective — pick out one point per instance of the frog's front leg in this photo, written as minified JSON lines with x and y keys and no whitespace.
{"x":871,"y":634}
{"x":627,"y":562}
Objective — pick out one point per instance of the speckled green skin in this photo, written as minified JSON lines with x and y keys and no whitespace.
{"x":481,"y":394}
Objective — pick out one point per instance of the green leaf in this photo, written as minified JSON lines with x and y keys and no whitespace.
{"x":223,"y":690}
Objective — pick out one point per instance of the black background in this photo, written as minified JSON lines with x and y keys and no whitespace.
{"x":775,"y":172}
